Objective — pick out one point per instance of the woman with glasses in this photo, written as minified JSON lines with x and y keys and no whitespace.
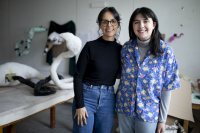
{"x":96,"y":71}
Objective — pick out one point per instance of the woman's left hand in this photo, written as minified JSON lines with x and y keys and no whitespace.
{"x":160,"y":128}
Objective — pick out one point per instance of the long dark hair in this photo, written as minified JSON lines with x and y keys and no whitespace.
{"x":155,"y":36}
{"x":111,"y":10}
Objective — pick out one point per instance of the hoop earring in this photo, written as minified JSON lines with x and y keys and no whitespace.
{"x":118,"y":33}
{"x":100,"y":32}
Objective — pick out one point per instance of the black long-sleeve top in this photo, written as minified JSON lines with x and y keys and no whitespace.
{"x":98,"y":64}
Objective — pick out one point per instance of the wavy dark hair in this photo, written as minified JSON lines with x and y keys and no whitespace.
{"x":111,"y":10}
{"x":155,"y":36}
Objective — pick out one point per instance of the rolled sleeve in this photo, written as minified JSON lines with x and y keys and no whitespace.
{"x":171,"y":73}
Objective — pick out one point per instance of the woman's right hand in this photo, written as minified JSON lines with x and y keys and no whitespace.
{"x":81,"y":116}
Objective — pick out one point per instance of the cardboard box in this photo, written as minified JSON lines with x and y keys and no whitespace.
{"x":181,"y":102}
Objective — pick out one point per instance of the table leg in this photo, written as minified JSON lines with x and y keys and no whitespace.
{"x":53,"y":117}
{"x":186,"y":125}
{"x":11,"y":128}
{"x":1,"y":129}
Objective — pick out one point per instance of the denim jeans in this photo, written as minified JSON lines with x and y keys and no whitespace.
{"x":100,"y":104}
{"x":134,"y":125}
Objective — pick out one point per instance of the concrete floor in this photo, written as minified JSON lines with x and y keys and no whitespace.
{"x":40,"y":123}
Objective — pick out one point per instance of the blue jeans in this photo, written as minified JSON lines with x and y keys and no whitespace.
{"x":100,"y":104}
{"x":134,"y":125}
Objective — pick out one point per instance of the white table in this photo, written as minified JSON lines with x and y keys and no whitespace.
{"x":18,"y":102}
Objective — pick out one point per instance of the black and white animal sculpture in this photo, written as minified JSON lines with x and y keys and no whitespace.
{"x":14,"y":68}
{"x":73,"y":46}
{"x":13,"y":73}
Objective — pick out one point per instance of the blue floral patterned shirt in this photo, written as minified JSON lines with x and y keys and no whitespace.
{"x":141,"y":84}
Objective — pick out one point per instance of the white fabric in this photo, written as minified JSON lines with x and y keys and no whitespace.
{"x":74,"y":45}
{"x":18,"y":69}
{"x":55,"y":38}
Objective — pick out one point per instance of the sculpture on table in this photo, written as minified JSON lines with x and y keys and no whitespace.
{"x":71,"y":46}
{"x":12,"y":73}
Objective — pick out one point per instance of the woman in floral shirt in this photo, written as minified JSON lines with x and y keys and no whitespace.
{"x":149,"y":72}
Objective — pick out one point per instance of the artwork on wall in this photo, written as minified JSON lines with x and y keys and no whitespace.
{"x":22,"y":47}
{"x":174,"y":36}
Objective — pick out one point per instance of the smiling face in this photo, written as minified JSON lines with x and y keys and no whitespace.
{"x":109,"y":26}
{"x":143,"y":27}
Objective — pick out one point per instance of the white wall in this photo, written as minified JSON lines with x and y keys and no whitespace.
{"x":87,"y":16}
{"x":18,"y":16}
{"x":172,"y":14}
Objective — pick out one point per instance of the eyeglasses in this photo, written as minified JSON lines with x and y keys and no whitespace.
{"x":113,"y":22}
